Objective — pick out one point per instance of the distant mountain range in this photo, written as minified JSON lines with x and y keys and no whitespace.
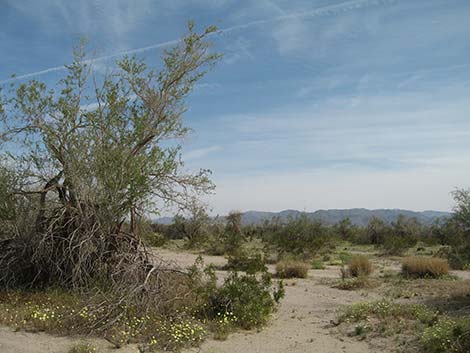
{"x":358,"y":216}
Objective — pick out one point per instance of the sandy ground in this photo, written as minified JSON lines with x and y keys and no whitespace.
{"x":25,"y":342}
{"x":301,"y":325}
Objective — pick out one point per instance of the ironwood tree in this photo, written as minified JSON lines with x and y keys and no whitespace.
{"x":84,"y":159}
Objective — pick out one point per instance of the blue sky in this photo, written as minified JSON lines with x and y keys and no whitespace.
{"x":316,"y":104}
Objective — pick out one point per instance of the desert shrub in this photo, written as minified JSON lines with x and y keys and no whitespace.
{"x":233,"y":235}
{"x":193,"y":227}
{"x":247,"y":262}
{"x":318,"y":265}
{"x":243,"y":300}
{"x":397,"y":245}
{"x":345,"y":257}
{"x":83,"y":347}
{"x":447,"y":335}
{"x":434,"y":333}
{"x":377,"y":231}
{"x":420,"y":266}
{"x":359,"y":266}
{"x":292,"y":269}
{"x":384,"y":309}
{"x":346,"y":230}
{"x":154,"y":239}
{"x":249,"y":301}
{"x":355,"y":283}
{"x":459,"y":257}
{"x":300,"y":237}
{"x":326,"y":257}
{"x":215,"y":248}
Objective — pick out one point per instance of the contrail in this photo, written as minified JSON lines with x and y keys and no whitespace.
{"x":320,"y":11}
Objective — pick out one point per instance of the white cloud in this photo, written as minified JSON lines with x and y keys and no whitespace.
{"x":199,"y":153}
{"x":111,"y":18}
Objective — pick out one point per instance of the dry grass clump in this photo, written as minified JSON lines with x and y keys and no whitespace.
{"x":420,"y":266}
{"x":359,"y":266}
{"x":292,"y":269}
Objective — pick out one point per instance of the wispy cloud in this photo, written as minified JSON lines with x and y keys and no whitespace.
{"x":200,"y":152}
{"x":320,"y":11}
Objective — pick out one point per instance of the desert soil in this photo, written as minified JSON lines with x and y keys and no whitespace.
{"x":303,"y":323}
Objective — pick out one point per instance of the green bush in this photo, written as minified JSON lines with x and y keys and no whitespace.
{"x":387,"y":310}
{"x":83,"y":347}
{"x":459,"y":257}
{"x":300,"y":237}
{"x":318,"y":265}
{"x":250,"y":300}
{"x":447,"y":335}
{"x":354,"y":283}
{"x":345,"y":257}
{"x":395,"y":245}
{"x":154,"y":239}
{"x":249,"y":263}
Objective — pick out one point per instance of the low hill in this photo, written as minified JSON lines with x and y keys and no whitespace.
{"x":358,"y":216}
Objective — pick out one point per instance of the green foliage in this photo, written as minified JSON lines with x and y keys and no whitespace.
{"x":354,"y":283}
{"x":154,"y":239}
{"x":460,"y":227}
{"x":91,"y":156}
{"x":194,"y":227}
{"x":318,"y":265}
{"x":233,"y":234}
{"x":388,"y":312}
{"x":246,"y":297}
{"x":148,"y":235}
{"x":83,"y":347}
{"x":437,"y":334}
{"x":397,"y":245}
{"x":447,"y":335}
{"x":394,"y":239}
{"x":348,"y":231}
{"x":345,"y":257}
{"x":300,"y":237}
{"x":377,"y":231}
{"x":248,"y":262}
{"x":246,"y":300}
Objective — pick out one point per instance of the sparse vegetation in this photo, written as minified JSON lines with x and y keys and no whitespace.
{"x":83,"y":347}
{"x":355,"y":283}
{"x":433,"y":332}
{"x":447,"y":335}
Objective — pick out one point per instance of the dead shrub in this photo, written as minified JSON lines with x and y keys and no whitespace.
{"x":420,"y":266}
{"x":292,"y":269}
{"x":359,"y":266}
